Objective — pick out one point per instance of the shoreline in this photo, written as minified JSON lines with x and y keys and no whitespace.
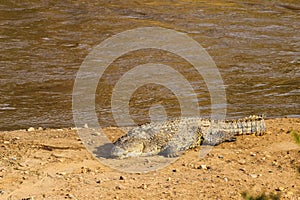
{"x":40,"y":128}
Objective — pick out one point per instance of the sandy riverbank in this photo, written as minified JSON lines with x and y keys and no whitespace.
{"x":54,"y":164}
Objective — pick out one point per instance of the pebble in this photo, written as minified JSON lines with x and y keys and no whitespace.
{"x":98,"y":181}
{"x":61,"y":173}
{"x":279,"y":189}
{"x":237,"y":152}
{"x":30,"y":129}
{"x":2,"y":192}
{"x":169,"y":178}
{"x":241,"y":161}
{"x":203,"y":166}
{"x":253,"y":175}
{"x":274,"y":163}
{"x":84,"y":170}
{"x":118,"y":187}
{"x":252,"y":154}
{"x":226,"y":179}
{"x":96,"y":134}
{"x":143,"y":186}
{"x":70,"y":196}
{"x":220,"y":156}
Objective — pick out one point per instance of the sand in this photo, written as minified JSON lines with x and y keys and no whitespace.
{"x":54,"y":164}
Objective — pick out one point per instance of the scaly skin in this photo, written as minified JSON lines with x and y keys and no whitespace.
{"x":174,"y":136}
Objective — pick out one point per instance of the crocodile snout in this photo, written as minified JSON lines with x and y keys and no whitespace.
{"x":130,"y":151}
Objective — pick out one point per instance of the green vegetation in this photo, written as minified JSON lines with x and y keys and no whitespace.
{"x":262,"y":196}
{"x":296,"y":136}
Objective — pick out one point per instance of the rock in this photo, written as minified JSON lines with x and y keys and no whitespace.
{"x":274,"y":163}
{"x":30,"y":129}
{"x":220,"y":156}
{"x":118,"y":187}
{"x":28,"y":198}
{"x":174,"y":170}
{"x":61,"y":173}
{"x":2,"y":192}
{"x":86,"y":126}
{"x":143,"y":186}
{"x":280,"y":189}
{"x":241,"y":161}
{"x":252,"y":154}
{"x":70,"y":196}
{"x":98,"y":181}
{"x":96,"y":134}
{"x":225,"y":179}
{"x":203,"y":167}
{"x":253,"y":175}
{"x":6,"y":142}
{"x":122,"y":178}
{"x":85,"y":170}
{"x":40,"y":128}
{"x":169,"y":178}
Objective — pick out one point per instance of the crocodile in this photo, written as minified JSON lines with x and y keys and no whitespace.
{"x":172,"y":137}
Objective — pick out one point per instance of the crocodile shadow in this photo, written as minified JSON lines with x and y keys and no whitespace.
{"x":104,"y":151}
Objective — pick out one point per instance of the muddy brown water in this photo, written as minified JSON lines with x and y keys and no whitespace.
{"x":255,"y":44}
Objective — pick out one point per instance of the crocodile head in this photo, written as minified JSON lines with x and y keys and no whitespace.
{"x":137,"y":142}
{"x":127,"y":147}
{"x":130,"y":145}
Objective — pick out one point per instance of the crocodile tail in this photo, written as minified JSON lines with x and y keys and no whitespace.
{"x":254,"y":124}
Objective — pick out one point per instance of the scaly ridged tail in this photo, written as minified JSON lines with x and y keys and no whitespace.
{"x":214,"y":132}
{"x":254,"y":124}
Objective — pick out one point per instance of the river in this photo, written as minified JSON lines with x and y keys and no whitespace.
{"x":255,"y":45}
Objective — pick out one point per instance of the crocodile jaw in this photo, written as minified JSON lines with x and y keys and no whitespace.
{"x":119,"y":152}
